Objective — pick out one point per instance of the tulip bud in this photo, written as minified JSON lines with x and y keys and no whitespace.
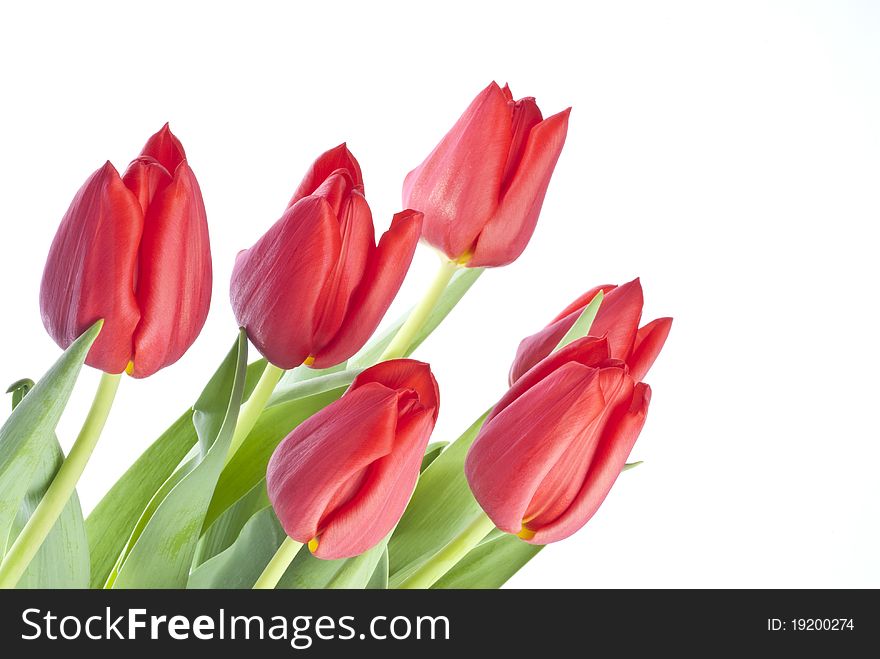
{"x":316,"y":285}
{"x":341,"y":480}
{"x":553,"y":446}
{"x":132,"y":250}
{"x":482,"y":187}
{"x":618,"y":318}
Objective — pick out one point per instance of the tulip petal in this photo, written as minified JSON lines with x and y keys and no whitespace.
{"x":404,"y":374}
{"x":387,"y":487}
{"x":564,"y":480}
{"x":506,"y":234}
{"x":276,"y":284}
{"x":326,"y":453}
{"x":518,"y":447}
{"x":382,"y":278}
{"x":457,"y":185}
{"x":165,"y":148}
{"x":619,"y":316}
{"x":526,"y":115}
{"x":145,"y":177}
{"x":583,"y":300}
{"x":91,"y":268}
{"x":588,"y":351}
{"x":536,"y":347}
{"x":649,"y":342}
{"x":338,"y":157}
{"x":357,"y":236}
{"x":174,"y":276}
{"x":621,"y":432}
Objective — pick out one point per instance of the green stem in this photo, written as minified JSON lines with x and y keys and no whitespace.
{"x":416,"y":319}
{"x":57,"y":495}
{"x":251,"y":410}
{"x":452,"y":552}
{"x":278,"y":565}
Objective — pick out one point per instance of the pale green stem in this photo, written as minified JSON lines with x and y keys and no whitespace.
{"x":62,"y":487}
{"x":451,"y":553}
{"x":253,"y":407}
{"x":417,"y":317}
{"x":278,"y":565}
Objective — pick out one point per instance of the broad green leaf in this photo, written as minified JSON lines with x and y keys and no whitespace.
{"x":491,"y":563}
{"x":227,"y":527}
{"x":582,"y":325}
{"x":306,"y":571}
{"x":110,"y":524}
{"x":460,"y":284}
{"x":433,"y":450}
{"x":379,"y":580}
{"x":62,"y":561}
{"x":441,"y":507}
{"x":240,"y":564}
{"x":161,"y":555}
{"x":248,"y":466}
{"x":29,"y":432}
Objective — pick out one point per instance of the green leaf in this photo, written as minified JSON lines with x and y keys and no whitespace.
{"x":432,"y":452}
{"x":111,"y":522}
{"x":227,"y":527}
{"x":582,"y":325}
{"x":29,"y":432}
{"x":161,"y":554}
{"x":379,"y":580}
{"x":306,"y":571}
{"x":441,"y":507}
{"x":62,"y":561}
{"x":490,"y":564}
{"x":241,"y":564}
{"x":460,"y":284}
{"x":248,"y":466}
{"x":19,"y":389}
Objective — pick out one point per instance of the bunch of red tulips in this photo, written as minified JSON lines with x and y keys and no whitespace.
{"x":325,"y":441}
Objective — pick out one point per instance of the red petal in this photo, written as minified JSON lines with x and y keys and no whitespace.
{"x":91,"y":268}
{"x":526,"y":115}
{"x":402,"y":374}
{"x":382,"y":278}
{"x":534,"y":348}
{"x":145,"y":177}
{"x":165,"y":148}
{"x":510,"y":227}
{"x":357,"y":235}
{"x":588,"y":351}
{"x":276,"y":284}
{"x":564,"y":480}
{"x":326,"y":453}
{"x":618,"y":438}
{"x":458,"y":185}
{"x":372,"y":513}
{"x":619,"y":317}
{"x":174,"y":275}
{"x":649,"y":342}
{"x":328,"y":162}
{"x":520,"y":445}
{"x":582,"y":301}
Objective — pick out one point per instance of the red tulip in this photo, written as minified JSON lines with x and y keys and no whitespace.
{"x":342,"y":479}
{"x":134,"y":251}
{"x":551,"y":449}
{"x":481,"y":189}
{"x":315,"y":286}
{"x":618,"y":318}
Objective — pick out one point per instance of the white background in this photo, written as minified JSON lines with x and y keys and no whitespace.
{"x":726,"y":153}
